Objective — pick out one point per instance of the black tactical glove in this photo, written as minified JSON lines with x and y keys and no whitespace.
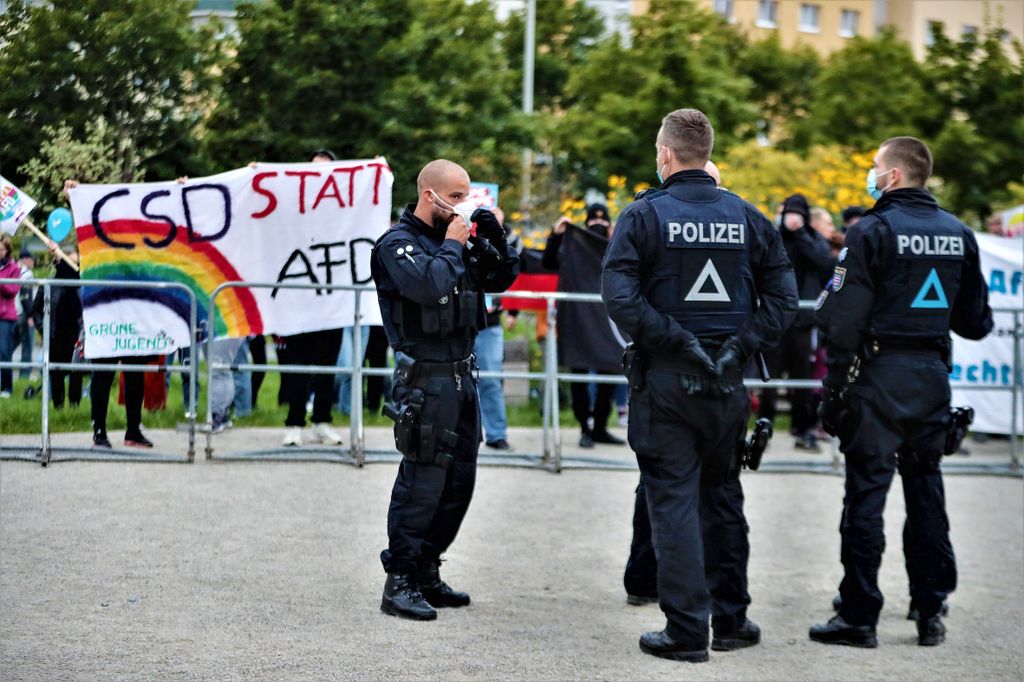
{"x":487,"y":226}
{"x":833,"y":410}
{"x":693,"y":349}
{"x":730,"y":357}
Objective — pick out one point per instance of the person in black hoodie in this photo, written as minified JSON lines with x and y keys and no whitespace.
{"x":65,"y":328}
{"x":811,"y":257}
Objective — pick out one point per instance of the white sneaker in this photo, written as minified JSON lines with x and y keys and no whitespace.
{"x":5,"y":394}
{"x":326,"y":434}
{"x":293,"y":436}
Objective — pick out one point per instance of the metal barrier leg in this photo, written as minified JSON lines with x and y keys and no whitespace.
{"x":357,"y":447}
{"x":552,"y":369}
{"x":193,"y":399}
{"x":46,"y":450}
{"x":211,"y":329}
{"x":548,"y":379}
{"x":1016,"y":392}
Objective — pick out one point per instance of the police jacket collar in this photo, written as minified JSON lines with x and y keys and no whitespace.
{"x":909,"y":197}
{"x":691,"y":185}
{"x":410,"y":219}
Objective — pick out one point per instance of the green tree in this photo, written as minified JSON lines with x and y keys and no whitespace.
{"x":565,"y":32}
{"x":306,"y":74}
{"x":783,"y":83}
{"x":92,"y":158}
{"x":680,"y":55}
{"x":979,"y":85}
{"x":408,"y":79}
{"x":137,"y":64}
{"x":870,"y":90}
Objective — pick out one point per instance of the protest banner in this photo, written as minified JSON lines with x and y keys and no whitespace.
{"x":15,"y":206}
{"x":989,"y":362}
{"x":313,"y":223}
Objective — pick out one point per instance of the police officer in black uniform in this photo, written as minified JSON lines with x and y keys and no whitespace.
{"x":698,"y":278}
{"x":908,"y":275}
{"x":431,"y":276}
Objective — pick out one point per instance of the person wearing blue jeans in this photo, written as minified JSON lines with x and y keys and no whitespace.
{"x":345,"y":362}
{"x":490,"y":355}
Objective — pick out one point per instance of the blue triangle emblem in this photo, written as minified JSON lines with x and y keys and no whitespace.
{"x":926,"y":298}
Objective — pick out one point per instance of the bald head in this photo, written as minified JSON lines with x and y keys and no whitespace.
{"x":441,"y":185}
{"x":711,"y":169}
{"x":440,"y":172}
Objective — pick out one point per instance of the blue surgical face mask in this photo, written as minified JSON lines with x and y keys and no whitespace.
{"x":661,"y":180}
{"x":873,"y":189}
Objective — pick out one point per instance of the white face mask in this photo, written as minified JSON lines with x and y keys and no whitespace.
{"x":465,"y":209}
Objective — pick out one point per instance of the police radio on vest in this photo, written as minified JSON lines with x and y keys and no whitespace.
{"x":707,"y":233}
{"x":930,"y":245}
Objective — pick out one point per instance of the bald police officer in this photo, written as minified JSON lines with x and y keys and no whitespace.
{"x":700,"y":281}
{"x":908,"y":275}
{"x":431,"y":276}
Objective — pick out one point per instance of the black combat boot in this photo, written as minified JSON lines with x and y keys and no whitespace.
{"x":838,"y":631}
{"x":660,"y":644}
{"x":912,"y":614}
{"x":745,"y":635}
{"x":437,"y":591}
{"x":931,"y":631}
{"x":641,"y":599}
{"x":403,"y":598}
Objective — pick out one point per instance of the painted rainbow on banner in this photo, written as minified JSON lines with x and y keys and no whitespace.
{"x":197,"y":265}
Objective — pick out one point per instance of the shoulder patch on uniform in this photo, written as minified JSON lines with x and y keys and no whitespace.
{"x":842,"y":254}
{"x":821,"y":299}
{"x":838,"y":278}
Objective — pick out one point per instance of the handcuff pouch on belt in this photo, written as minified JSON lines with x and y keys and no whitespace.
{"x":633,"y":366}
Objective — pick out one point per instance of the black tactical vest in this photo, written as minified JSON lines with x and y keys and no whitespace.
{"x":915,"y":295}
{"x":701,"y":275}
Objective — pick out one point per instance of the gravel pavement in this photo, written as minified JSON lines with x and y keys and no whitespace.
{"x":224,"y":570}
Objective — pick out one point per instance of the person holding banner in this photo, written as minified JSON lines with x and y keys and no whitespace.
{"x":431,"y":276}
{"x":9,"y":269}
{"x":908,"y":275}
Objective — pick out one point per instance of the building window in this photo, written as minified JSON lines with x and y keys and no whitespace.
{"x":969,"y":30}
{"x":810,"y":18}
{"x":726,"y":9}
{"x":848,"y":23}
{"x":932,"y":29}
{"x":767,"y":13}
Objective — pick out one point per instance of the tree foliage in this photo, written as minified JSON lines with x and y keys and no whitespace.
{"x":137,"y":64}
{"x":869,"y":91}
{"x":682,"y":55}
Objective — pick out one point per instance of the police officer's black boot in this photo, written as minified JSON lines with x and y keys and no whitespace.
{"x":403,"y":598}
{"x":838,"y":631}
{"x":931,"y":631}
{"x":944,"y":611}
{"x":745,"y":635}
{"x":660,"y":644}
{"x":437,"y":591}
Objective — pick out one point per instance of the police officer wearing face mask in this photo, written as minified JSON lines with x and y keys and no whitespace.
{"x":908,"y":275}
{"x":699,"y":279}
{"x":431,"y":276}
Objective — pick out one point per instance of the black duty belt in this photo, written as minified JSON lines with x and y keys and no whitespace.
{"x":685,"y":365}
{"x":878,"y":345}
{"x":446,"y":369}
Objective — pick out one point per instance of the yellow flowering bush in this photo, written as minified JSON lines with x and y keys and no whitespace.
{"x":829,"y":176}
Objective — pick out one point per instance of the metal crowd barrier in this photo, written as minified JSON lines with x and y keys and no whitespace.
{"x":47,"y":452}
{"x":551,"y":456}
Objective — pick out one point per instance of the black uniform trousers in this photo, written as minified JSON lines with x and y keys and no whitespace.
{"x":897,"y":420}
{"x":794,"y":358}
{"x":429,"y":501}
{"x":641,"y":575}
{"x":686,"y":446}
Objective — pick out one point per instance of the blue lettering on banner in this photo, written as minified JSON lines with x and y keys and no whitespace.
{"x":984,"y":372}
{"x":997,"y":282}
{"x":926,"y":298}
